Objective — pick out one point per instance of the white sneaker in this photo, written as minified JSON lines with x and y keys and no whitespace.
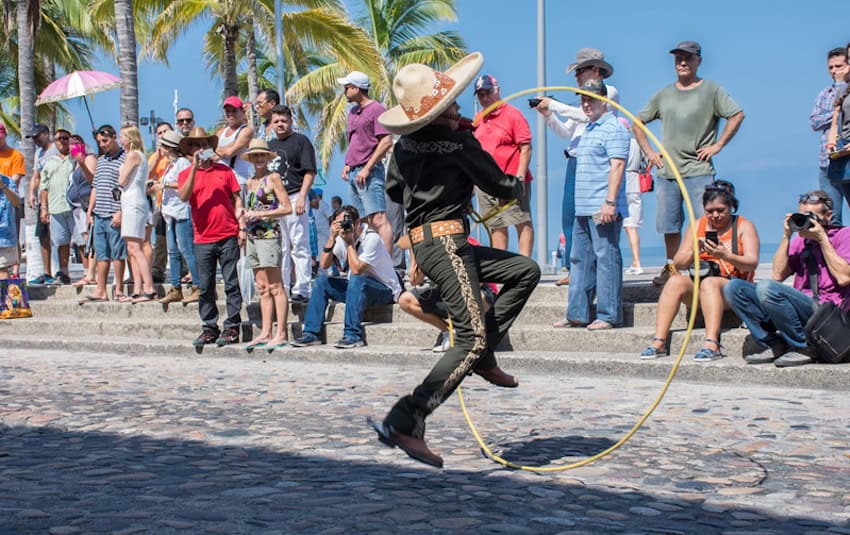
{"x":441,"y":345}
{"x":632,"y":270}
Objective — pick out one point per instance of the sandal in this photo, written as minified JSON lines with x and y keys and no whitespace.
{"x":122,"y":298}
{"x":599,"y":325}
{"x":83,"y":282}
{"x":93,"y":299}
{"x":567,"y":324}
{"x":652,"y":352}
{"x":707,"y":354}
{"x":255,"y":345}
{"x":144,"y":298}
{"x":564,"y":281}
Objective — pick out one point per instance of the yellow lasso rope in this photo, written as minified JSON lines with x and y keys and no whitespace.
{"x":694,"y":301}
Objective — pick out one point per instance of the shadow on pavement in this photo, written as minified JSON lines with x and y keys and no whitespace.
{"x":544,"y":450}
{"x":101,"y":482}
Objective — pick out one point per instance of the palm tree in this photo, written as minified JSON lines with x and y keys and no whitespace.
{"x":396,"y":34}
{"x":27,"y":17}
{"x":125,"y":33}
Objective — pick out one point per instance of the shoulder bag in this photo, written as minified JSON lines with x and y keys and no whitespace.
{"x":828,"y":330}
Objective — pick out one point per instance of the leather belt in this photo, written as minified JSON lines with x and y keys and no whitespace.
{"x":446,"y":227}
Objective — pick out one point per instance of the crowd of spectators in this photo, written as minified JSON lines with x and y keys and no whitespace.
{"x":244,"y":199}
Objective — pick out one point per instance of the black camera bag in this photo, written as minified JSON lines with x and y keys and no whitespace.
{"x":828,"y":330}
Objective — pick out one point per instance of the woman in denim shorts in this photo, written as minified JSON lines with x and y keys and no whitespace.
{"x":266,"y":203}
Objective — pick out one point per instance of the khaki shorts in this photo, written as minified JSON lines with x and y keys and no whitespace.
{"x":8,"y":257}
{"x":517,"y":214}
{"x":263,"y":254}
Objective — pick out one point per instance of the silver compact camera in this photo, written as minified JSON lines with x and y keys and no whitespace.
{"x":206,"y":154}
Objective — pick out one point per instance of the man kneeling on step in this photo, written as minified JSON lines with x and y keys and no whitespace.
{"x":371,"y":281}
{"x":819,"y":258}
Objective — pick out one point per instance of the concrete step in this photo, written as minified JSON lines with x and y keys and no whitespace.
{"x":561,"y":365}
{"x":415,"y":335}
{"x":538,"y":313}
{"x":546,"y":292}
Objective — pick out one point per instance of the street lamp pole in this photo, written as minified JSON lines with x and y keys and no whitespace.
{"x":278,"y":37}
{"x":540,"y":146}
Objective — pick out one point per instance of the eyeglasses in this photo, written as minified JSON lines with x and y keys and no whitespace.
{"x":189,"y":120}
{"x":816,"y":198}
{"x":62,"y":138}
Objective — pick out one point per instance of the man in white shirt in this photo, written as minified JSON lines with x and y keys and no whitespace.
{"x":569,"y":122}
{"x":372,"y":281}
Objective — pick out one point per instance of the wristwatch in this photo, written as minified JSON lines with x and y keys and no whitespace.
{"x":610,"y":202}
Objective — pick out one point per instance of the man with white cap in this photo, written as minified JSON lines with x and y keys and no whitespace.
{"x":690,"y":111}
{"x":589,"y":65}
{"x":433,"y":171}
{"x":368,"y":143}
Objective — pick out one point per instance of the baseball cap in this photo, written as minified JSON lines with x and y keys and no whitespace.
{"x":485,"y":82}
{"x":233,"y":101}
{"x":37,"y":129}
{"x":318,"y":191}
{"x":355,"y":78}
{"x":596,"y":87}
{"x":691,"y":47}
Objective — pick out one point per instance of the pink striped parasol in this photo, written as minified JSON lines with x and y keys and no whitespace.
{"x":78,"y":84}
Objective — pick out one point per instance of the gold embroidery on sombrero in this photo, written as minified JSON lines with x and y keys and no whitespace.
{"x":442,"y":85}
{"x":478,"y":330}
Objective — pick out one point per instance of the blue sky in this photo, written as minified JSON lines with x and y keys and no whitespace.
{"x":770,"y":56}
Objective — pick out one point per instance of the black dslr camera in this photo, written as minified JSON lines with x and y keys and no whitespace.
{"x":347,"y":224}
{"x":804,"y":221}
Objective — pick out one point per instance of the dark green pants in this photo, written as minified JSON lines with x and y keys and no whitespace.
{"x":458,"y":268}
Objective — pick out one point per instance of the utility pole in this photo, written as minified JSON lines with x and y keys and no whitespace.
{"x":540,"y":145}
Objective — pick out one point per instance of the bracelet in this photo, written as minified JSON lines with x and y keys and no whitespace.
{"x":328,"y":249}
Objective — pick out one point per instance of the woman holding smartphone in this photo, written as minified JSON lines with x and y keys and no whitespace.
{"x":266,"y":203}
{"x":729,"y":248}
{"x":79,"y":193}
{"x":135,"y":211}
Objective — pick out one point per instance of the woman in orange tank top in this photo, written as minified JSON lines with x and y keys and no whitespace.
{"x":729,"y":248}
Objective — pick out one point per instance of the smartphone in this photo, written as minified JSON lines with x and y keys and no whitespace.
{"x":711,"y":235}
{"x":206,"y":154}
{"x":78,"y":149}
{"x":533,"y":102}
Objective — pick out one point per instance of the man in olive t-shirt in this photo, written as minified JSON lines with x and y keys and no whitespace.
{"x":690,"y":110}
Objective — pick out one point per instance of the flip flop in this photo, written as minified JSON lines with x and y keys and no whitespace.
{"x":122,"y":298}
{"x":565,"y":324}
{"x":256,"y":345}
{"x":281,"y":345}
{"x":144,"y":298}
{"x":93,"y":299}
{"x":83,"y":282}
{"x":599,"y":325}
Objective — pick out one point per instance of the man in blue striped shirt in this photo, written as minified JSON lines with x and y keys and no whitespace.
{"x":596,"y":265}
{"x":105,"y":214}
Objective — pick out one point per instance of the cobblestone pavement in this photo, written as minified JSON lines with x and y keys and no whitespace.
{"x":116,"y":444}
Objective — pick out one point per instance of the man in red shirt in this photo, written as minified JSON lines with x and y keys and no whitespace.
{"x":213,"y":194}
{"x":504,"y":133}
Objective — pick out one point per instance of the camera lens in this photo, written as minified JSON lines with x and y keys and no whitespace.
{"x":798,"y":222}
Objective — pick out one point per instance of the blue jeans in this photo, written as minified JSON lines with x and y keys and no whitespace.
{"x":357,"y":292}
{"x":670,"y":212}
{"x":568,"y":209}
{"x":838,"y":191}
{"x":368,"y":199}
{"x":771,"y":310}
{"x":180,"y":239}
{"x":596,"y":268}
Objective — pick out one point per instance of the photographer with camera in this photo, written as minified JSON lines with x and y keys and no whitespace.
{"x":371,"y":281}
{"x":775,"y":313}
{"x":218,"y":224}
{"x":729,"y":252}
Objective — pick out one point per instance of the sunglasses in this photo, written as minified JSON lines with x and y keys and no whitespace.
{"x":185,"y":120}
{"x":62,"y":138}
{"x":719,"y":187}
{"x":814,"y":198}
{"x":105,"y":131}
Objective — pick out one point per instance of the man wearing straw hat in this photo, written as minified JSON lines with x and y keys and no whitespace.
{"x":215,"y":199}
{"x":433,"y":172}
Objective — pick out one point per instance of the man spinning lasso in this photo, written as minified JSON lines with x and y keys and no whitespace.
{"x":433,"y":171}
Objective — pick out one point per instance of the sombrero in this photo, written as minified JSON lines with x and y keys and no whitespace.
{"x":424,"y":93}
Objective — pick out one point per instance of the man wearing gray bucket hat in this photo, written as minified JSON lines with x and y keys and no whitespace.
{"x":690,"y":110}
{"x":569,"y":122}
